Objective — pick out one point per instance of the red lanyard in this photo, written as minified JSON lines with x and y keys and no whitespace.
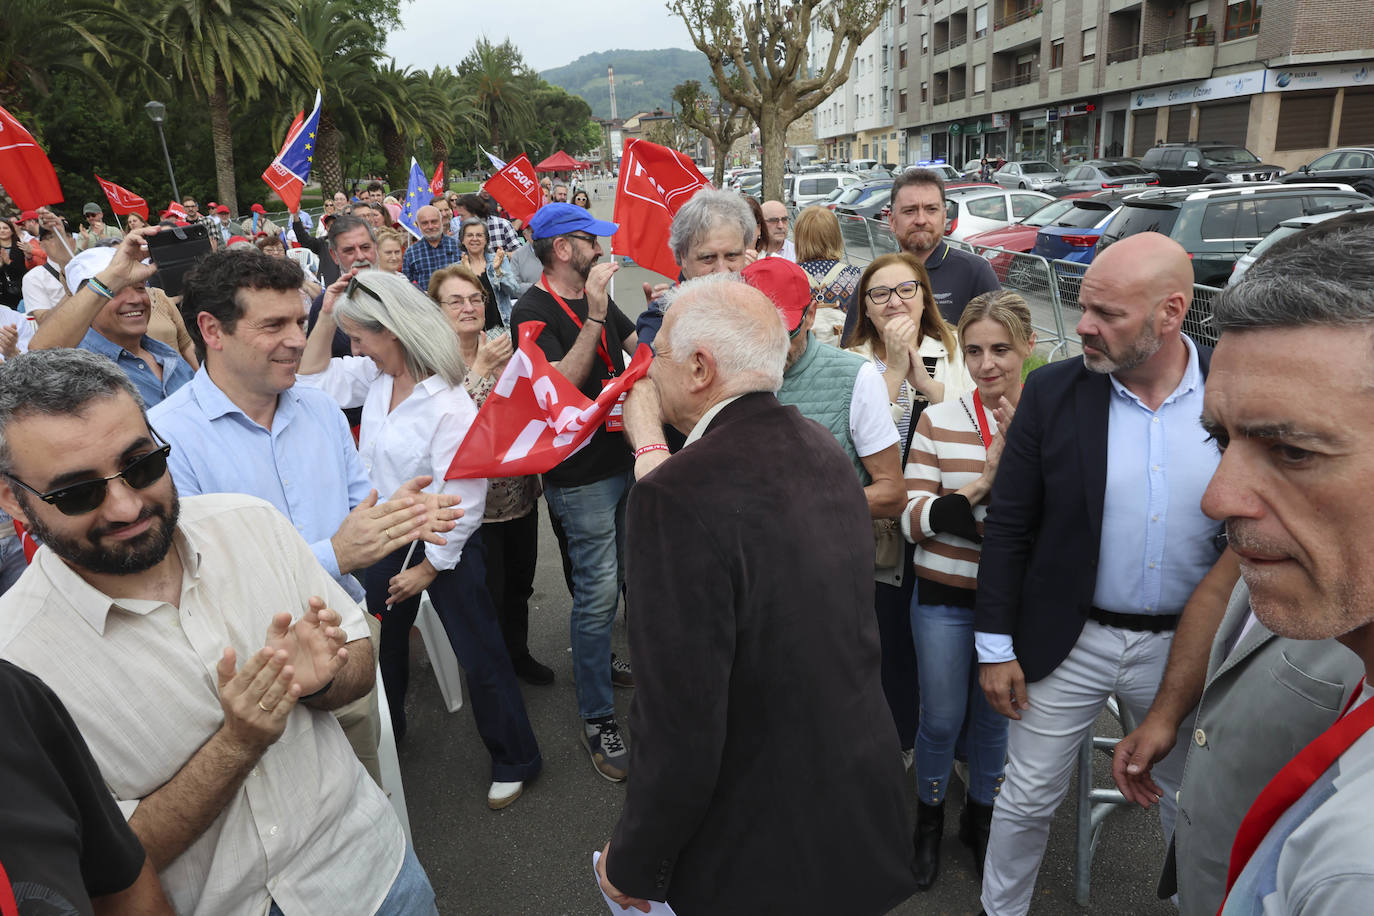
{"x":602,"y":349}
{"x":983,"y":429}
{"x":8,"y":906}
{"x":1289,"y":784}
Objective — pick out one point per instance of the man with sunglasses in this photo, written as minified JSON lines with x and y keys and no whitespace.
{"x":585,"y":336}
{"x":200,"y":648}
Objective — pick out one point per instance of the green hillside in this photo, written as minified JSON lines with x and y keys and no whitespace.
{"x":644,"y":80}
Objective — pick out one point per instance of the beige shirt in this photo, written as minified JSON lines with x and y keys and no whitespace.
{"x":308,"y":828}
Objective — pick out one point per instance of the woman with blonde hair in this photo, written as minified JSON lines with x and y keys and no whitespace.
{"x":899,"y":328}
{"x":820,"y":252}
{"x":408,"y":379}
{"x":391,"y":250}
{"x":510,"y":525}
{"x":954,"y":456}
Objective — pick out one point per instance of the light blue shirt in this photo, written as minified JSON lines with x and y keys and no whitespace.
{"x":175,"y":370}
{"x":1156,"y":543}
{"x":306,"y":464}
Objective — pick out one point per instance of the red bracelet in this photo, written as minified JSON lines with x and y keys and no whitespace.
{"x":646,"y":449}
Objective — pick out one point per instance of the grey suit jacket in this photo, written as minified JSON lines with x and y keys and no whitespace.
{"x":1264,"y":701}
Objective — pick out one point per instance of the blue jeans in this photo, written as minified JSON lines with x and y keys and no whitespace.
{"x":410,"y":893}
{"x":593,"y":518}
{"x":12,"y":562}
{"x":946,"y":665}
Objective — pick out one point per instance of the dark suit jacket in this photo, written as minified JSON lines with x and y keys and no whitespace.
{"x":764,"y":767}
{"x":1043,"y":532}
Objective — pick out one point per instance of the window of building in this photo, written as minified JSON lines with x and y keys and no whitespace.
{"x":1089,"y":43}
{"x":1056,"y":54}
{"x":901,"y":57}
{"x":925,"y":42}
{"x":925,"y":91}
{"x":885,"y":61}
{"x":980,"y":78}
{"x":980,"y":21}
{"x":901,"y":99}
{"x":901,"y":13}
{"x":1242,"y":19}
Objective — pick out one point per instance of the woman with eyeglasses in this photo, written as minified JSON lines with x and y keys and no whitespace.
{"x":510,"y":525}
{"x":498,"y":281}
{"x":954,"y":458}
{"x":407,"y":375}
{"x":901,"y":331}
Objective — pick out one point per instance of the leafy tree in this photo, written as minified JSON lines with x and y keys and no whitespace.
{"x":718,"y":121}
{"x":42,"y":38}
{"x":766,"y":43}
{"x":563,"y":117}
{"x":501,"y":87}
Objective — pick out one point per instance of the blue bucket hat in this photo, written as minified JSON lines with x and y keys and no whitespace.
{"x":560,"y":219}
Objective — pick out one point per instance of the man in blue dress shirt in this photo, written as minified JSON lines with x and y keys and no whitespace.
{"x":1095,"y":542}
{"x":433,"y":251}
{"x":243,"y":426}
{"x":108,"y":314}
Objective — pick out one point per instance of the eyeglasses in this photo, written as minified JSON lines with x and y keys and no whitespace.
{"x":589,"y":239}
{"x":86,"y":496}
{"x":879,"y":295}
{"x":476,"y":300}
{"x":355,"y":284}
{"x":776,"y":219}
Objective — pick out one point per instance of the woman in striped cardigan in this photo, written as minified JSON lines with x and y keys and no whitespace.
{"x":949,"y":473}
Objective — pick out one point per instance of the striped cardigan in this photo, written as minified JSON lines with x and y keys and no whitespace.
{"x":946,"y":454}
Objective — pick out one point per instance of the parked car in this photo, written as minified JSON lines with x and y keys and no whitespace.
{"x":751,"y":185}
{"x":865,"y":199}
{"x":1073,"y":236}
{"x":1201,"y":162}
{"x":806,"y":188}
{"x":1352,"y":165}
{"x":978,"y":208}
{"x":1027,"y":173}
{"x":1100,"y":174}
{"x":1282,"y":231}
{"x":1018,"y":236}
{"x":742,"y":175}
{"x":1216,"y":225}
{"x":944,"y":170}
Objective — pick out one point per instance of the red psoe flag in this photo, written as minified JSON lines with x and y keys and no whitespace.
{"x":122,"y":200}
{"x":177,"y":210}
{"x":654,"y":184}
{"x":515,"y":188}
{"x":25,"y":171}
{"x":535,"y":418}
{"x":436,"y":185}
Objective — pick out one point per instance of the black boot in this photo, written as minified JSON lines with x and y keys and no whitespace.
{"x":975,"y":824}
{"x":930,"y":825}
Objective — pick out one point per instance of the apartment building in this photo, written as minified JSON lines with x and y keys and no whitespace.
{"x":1064,"y":79}
{"x":857,"y":120}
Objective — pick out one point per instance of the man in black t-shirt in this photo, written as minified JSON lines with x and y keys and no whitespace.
{"x":63,"y":840}
{"x":584,"y":337}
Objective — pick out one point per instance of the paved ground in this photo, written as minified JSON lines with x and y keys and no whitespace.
{"x":534,"y":857}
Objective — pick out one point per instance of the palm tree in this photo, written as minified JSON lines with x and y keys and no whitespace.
{"x":348,"y":57}
{"x":496,"y":77}
{"x":456,"y":112}
{"x":396,"y":114}
{"x":224,"y":50}
{"x":39,"y":38}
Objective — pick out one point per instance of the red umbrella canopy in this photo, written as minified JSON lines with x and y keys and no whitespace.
{"x":560,"y":162}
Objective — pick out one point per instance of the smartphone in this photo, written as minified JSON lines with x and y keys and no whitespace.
{"x":175,"y":250}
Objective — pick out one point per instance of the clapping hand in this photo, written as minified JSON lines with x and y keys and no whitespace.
{"x":314,"y":644}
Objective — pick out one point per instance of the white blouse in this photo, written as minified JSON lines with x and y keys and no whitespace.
{"x":419,"y":437}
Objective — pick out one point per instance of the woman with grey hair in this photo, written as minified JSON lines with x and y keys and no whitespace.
{"x":407,"y":376}
{"x":498,"y":280}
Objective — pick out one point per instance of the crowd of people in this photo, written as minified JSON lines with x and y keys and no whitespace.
{"x":858,"y":544}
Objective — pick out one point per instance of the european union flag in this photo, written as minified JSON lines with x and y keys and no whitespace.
{"x":289,"y":172}
{"x":418,"y":195}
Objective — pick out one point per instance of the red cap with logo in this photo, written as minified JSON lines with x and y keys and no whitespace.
{"x":785,"y":284}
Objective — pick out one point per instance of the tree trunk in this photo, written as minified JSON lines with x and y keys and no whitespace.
{"x":439,"y":149}
{"x":397,"y":168}
{"x":718,"y":153}
{"x":773,"y":137}
{"x":328,"y":167}
{"x":224,"y":146}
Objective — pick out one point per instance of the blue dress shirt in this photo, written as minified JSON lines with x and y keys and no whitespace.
{"x":1156,"y":543}
{"x":422,"y":259}
{"x":175,"y":370}
{"x":306,"y":464}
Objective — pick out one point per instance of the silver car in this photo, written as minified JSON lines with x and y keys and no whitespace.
{"x":1028,"y":173}
{"x":1282,"y":231}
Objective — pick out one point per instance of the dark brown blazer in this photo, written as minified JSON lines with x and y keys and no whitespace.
{"x":765,"y":774}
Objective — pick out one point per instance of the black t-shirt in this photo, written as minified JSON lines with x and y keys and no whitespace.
{"x":63,"y":839}
{"x":607,"y":454}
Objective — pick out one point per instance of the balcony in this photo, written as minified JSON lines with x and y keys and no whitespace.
{"x":1016,"y":29}
{"x":1122,"y":55}
{"x":1019,"y":91}
{"x":1183,"y":57}
{"x":1020,"y":79}
{"x":1121,"y":6}
{"x":1198,"y":39}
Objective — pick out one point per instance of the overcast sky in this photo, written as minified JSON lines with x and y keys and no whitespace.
{"x":550,"y":33}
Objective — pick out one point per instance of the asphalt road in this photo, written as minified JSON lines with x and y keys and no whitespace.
{"x":535,"y":856}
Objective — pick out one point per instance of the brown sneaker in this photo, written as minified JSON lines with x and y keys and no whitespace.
{"x":621,"y":676}
{"x":607,"y":749}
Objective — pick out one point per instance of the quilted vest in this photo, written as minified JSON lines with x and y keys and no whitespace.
{"x":821,"y":386}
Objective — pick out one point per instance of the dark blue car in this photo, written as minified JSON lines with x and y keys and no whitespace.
{"x":1073,"y":236}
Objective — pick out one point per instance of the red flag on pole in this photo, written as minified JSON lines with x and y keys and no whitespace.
{"x":515,"y":188}
{"x":654,"y":183}
{"x":289,"y":172}
{"x":436,"y":186}
{"x":535,"y":418}
{"x":26,"y":541}
{"x":123,"y":201}
{"x":25,"y":171}
{"x":177,"y":210}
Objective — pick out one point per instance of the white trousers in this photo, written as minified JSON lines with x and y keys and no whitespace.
{"x":1042,"y":749}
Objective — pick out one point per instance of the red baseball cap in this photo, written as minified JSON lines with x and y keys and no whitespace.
{"x":258,"y":208}
{"x":28,"y":215}
{"x":783,"y":282}
{"x":222,"y":209}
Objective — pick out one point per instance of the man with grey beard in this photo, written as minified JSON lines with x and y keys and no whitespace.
{"x":1094,"y":544}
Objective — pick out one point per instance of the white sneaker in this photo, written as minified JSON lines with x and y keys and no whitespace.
{"x":502,"y":794}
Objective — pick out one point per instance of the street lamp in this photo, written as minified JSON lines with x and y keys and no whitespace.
{"x":157,"y":113}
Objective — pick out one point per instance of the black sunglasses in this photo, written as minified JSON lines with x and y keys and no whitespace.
{"x":86,"y":496}
{"x":356,"y":284}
